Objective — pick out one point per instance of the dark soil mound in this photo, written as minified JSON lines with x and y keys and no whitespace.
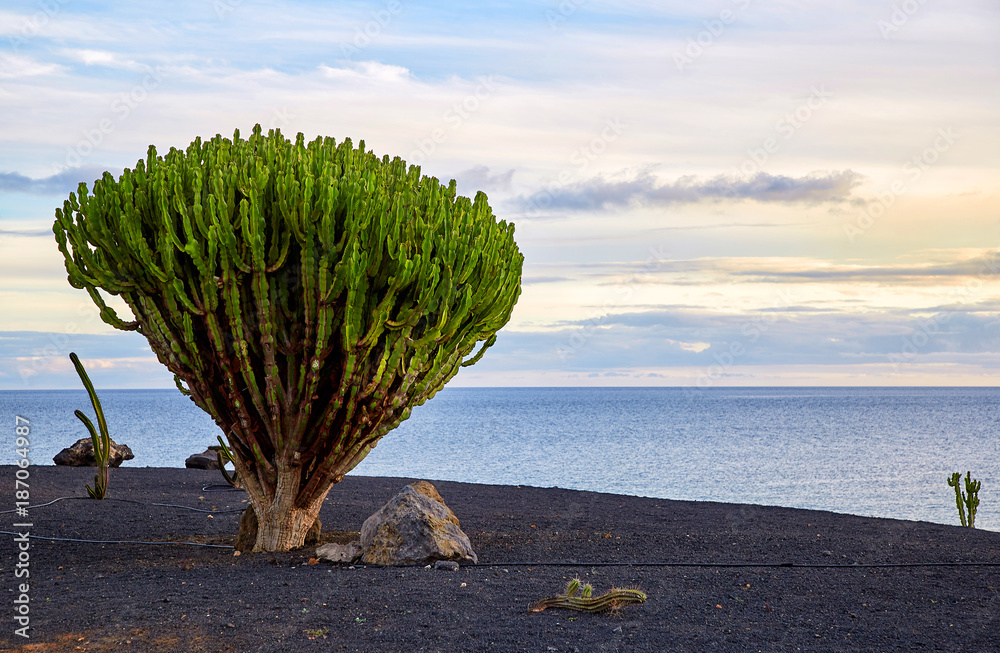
{"x":752,"y":592}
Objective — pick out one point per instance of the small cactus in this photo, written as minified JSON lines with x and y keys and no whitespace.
{"x":967,"y":501}
{"x":102,"y":442}
{"x":612,"y":600}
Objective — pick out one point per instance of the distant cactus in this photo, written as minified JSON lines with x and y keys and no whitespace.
{"x":306,"y":295}
{"x":102,"y":442}
{"x":967,"y":501}
{"x":612,"y":600}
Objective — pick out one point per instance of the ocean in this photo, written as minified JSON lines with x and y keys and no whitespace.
{"x":883,"y":452}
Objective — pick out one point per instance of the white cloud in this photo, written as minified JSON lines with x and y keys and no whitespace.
{"x":15,"y":67}
{"x":94,"y":57}
{"x":369,"y":70}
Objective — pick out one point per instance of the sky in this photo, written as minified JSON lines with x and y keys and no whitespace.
{"x":722,"y":193}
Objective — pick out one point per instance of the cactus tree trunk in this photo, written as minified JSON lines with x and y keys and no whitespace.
{"x":280,"y":522}
{"x":308,"y":295}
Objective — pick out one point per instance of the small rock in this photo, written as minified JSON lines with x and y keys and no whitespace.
{"x":617,"y":630}
{"x":81,"y":454}
{"x":446,"y":565}
{"x":828,"y":553}
{"x":339,"y":552}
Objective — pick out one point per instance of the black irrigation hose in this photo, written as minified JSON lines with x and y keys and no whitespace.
{"x":171,"y":505}
{"x":144,"y":503}
{"x":797,"y":565}
{"x":70,"y":539}
{"x":220,"y":487}
{"x":794,"y":565}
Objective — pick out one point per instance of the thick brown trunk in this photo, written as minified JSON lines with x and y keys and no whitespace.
{"x":278,"y":522}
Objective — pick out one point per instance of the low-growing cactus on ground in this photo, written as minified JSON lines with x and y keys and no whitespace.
{"x":967,"y":501}
{"x":612,"y":600}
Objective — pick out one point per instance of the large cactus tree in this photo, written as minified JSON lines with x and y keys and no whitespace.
{"x":306,"y":295}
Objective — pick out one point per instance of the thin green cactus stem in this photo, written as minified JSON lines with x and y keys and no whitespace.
{"x":955,"y":481}
{"x":224,"y":456}
{"x":102,"y":440}
{"x":971,"y":498}
{"x":612,"y":600}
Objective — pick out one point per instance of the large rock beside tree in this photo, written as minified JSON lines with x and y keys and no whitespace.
{"x":81,"y":454}
{"x":415,"y":527}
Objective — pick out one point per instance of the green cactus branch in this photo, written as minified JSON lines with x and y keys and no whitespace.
{"x":307,"y":294}
{"x":612,"y":600}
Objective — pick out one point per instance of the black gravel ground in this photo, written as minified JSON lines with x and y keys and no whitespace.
{"x":739,"y":579}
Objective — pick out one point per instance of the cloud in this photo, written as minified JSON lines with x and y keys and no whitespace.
{"x":31,"y":233}
{"x":531,"y":280}
{"x":675,"y":337}
{"x":646,"y":190}
{"x":14,"y":67}
{"x":479,"y":178}
{"x":747,"y":269}
{"x":368,"y":70}
{"x":61,"y":183}
{"x":895,"y":274}
{"x":33,"y":359}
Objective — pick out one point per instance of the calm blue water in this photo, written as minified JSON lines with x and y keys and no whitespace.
{"x":882,"y":452}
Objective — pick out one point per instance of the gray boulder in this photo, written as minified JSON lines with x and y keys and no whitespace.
{"x":415,"y":527}
{"x":207,"y":460}
{"x":81,"y":454}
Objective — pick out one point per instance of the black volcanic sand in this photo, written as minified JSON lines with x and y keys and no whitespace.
{"x":177,"y":598}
